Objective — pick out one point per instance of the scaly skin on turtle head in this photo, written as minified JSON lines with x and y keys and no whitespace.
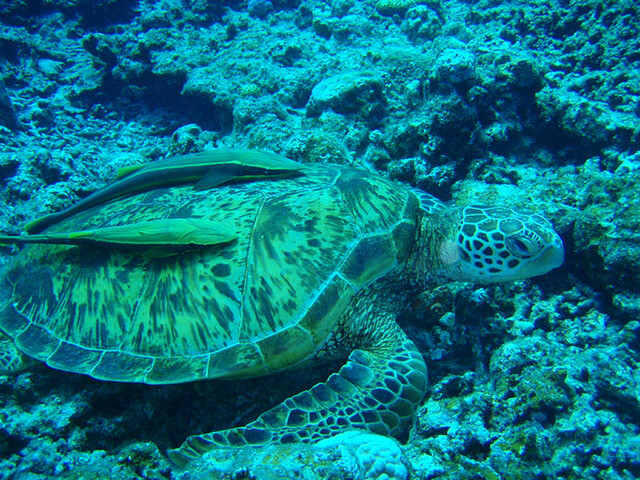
{"x":489,"y":244}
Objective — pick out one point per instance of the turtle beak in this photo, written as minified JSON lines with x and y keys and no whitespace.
{"x":551,"y":257}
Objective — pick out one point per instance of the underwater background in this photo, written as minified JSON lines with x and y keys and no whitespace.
{"x":528,"y":104}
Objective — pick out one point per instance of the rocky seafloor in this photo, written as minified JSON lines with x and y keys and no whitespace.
{"x":530,"y":104}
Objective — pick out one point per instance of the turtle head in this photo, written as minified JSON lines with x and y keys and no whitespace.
{"x":496,"y":244}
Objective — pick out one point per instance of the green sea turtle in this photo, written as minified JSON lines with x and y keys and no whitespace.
{"x":266,"y":264}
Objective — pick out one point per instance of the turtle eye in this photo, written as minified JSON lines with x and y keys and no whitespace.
{"x":520,"y":246}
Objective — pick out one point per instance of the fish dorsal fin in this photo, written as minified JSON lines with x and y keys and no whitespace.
{"x":169,"y":232}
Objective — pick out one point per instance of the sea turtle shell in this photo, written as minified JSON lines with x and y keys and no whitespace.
{"x":263,"y":302}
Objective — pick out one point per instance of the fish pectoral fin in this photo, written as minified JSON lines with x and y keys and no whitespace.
{"x":251,"y":166}
{"x":218,"y":175}
{"x":170,"y":232}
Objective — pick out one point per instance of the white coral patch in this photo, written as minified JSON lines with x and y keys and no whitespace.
{"x":377,"y":457}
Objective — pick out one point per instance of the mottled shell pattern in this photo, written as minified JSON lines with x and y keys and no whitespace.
{"x":266,"y":301}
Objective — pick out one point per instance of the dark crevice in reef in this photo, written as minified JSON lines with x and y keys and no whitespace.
{"x":11,"y":444}
{"x":566,"y":147}
{"x":91,"y":14}
{"x":159,"y":98}
{"x":102,"y":13}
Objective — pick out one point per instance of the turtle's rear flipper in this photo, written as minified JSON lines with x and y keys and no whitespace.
{"x":378,"y":389}
{"x":12,"y":360}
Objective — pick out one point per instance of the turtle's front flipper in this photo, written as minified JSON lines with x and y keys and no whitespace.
{"x":12,"y":360}
{"x":378,"y":389}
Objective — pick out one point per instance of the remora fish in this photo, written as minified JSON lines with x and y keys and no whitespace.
{"x":170,"y":232}
{"x":205,"y":169}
